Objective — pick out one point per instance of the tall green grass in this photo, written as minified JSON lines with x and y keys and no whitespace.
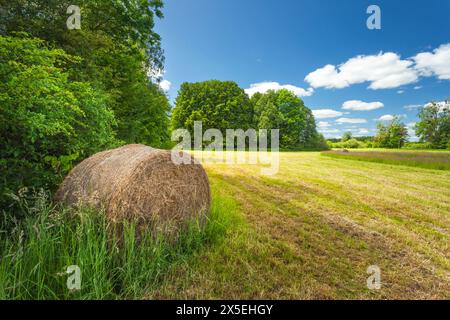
{"x":426,"y":160}
{"x":36,"y":251}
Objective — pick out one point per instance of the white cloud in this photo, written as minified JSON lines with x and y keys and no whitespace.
{"x":412,"y":106}
{"x":363,"y":131}
{"x":263,"y":87}
{"x":441,"y":104}
{"x":400,"y":91}
{"x":411,"y":130}
{"x":329,"y":131}
{"x":434,"y":63}
{"x":351,"y":120}
{"x":326,"y":113}
{"x":383,"y":71}
{"x":323,"y":124}
{"x":386,"y":117}
{"x":165,"y":85}
{"x":358,"y":105}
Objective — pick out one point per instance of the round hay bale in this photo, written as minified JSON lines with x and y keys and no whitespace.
{"x":139,"y":183}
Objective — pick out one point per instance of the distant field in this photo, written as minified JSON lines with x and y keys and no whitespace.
{"x":423,"y":159}
{"x":311,"y":232}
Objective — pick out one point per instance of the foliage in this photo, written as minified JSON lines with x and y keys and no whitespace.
{"x":119,"y":50}
{"x":426,"y":160}
{"x":346,"y":136}
{"x":418,"y":146}
{"x":434,"y":125}
{"x":393,"y":134}
{"x":218,"y":104}
{"x":126,"y":22}
{"x":285,"y":111}
{"x":348,"y":144}
{"x":46,"y":121}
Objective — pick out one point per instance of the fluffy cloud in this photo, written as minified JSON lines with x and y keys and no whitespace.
{"x":326,"y":113}
{"x":434,"y":63}
{"x":358,"y":105}
{"x":363,"y":131}
{"x":263,"y":87}
{"x":412,"y":106}
{"x":351,"y":120}
{"x":323,"y":124}
{"x":165,"y":85}
{"x":441,"y":104}
{"x":329,"y":131}
{"x":411,"y":130}
{"x":386,"y":117}
{"x":383,"y":71}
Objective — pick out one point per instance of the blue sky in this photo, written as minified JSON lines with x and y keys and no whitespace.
{"x":320,"y":49}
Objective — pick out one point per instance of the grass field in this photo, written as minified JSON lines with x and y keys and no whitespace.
{"x":309,"y":232}
{"x":422,"y":159}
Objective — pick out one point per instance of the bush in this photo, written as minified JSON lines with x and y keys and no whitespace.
{"x":352,"y":144}
{"x":418,"y":145}
{"x":349,"y":144}
{"x":47,"y":121}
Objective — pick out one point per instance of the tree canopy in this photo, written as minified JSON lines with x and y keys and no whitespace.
{"x":393,"y":134}
{"x":218,"y":104}
{"x":283,"y":110}
{"x":434,"y":124}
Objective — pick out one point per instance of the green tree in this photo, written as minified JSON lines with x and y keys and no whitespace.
{"x":118,"y":49}
{"x":218,"y":104}
{"x":393,"y":134}
{"x":125,"y":21}
{"x":346,"y":136}
{"x":434,"y":125}
{"x":285,"y":111}
{"x":47,"y":122}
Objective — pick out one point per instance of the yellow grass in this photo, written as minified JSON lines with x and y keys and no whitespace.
{"x":311,"y":231}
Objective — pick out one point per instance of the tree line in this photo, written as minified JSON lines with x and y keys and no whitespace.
{"x":224,"y":105}
{"x":432,"y":129}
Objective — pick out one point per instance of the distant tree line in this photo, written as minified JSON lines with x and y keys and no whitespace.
{"x":432,"y":129}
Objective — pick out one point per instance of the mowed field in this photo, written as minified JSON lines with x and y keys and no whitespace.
{"x":312,"y":230}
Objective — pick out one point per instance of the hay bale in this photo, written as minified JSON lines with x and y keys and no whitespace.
{"x":136,"y":182}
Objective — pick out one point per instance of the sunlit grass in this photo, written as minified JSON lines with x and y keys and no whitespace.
{"x":308,"y":232}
